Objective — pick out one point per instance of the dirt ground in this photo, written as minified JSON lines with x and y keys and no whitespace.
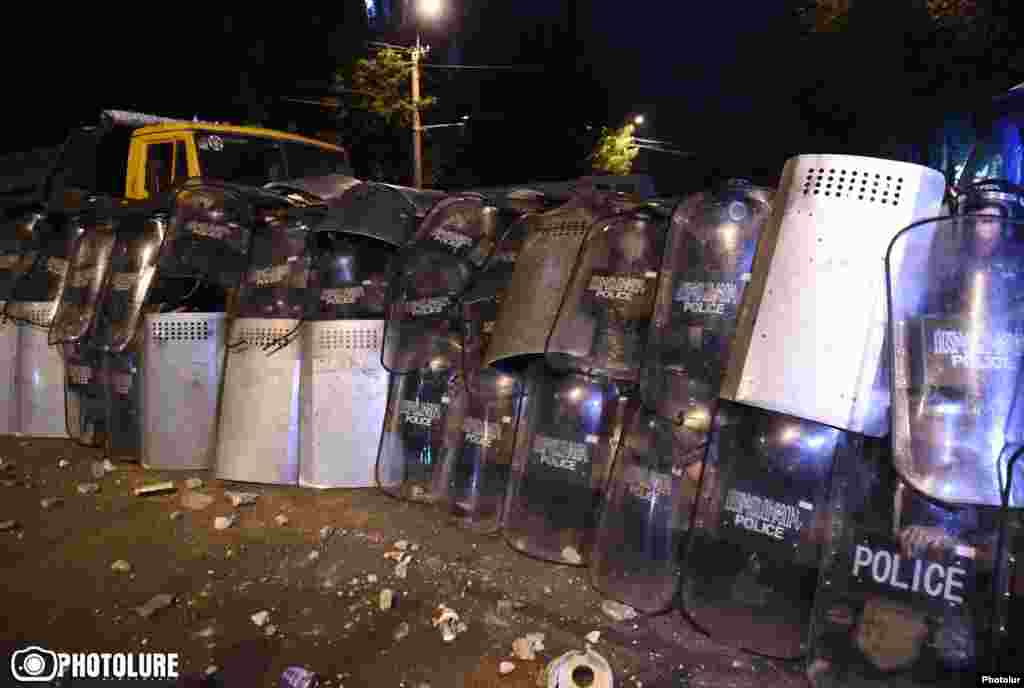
{"x":57,"y":588}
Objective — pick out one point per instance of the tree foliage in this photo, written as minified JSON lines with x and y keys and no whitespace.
{"x":382,"y":85}
{"x":615,"y":151}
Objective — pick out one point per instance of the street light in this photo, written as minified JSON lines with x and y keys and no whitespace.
{"x":638,"y":120}
{"x":429,"y":9}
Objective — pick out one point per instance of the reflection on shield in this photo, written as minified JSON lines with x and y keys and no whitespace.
{"x":563,"y":451}
{"x":373,"y":210}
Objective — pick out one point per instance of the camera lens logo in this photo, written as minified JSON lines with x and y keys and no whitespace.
{"x":34,"y":665}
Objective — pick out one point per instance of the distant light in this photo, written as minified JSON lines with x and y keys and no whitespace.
{"x":465,"y":117}
{"x":430,"y":8}
{"x":638,"y":120}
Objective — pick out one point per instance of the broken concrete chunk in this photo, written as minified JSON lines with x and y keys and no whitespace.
{"x":387,"y":597}
{"x":506,"y":668}
{"x":326,"y":532}
{"x":9,"y":483}
{"x":121,"y":566}
{"x":109,"y":466}
{"x":618,"y":611}
{"x":196,"y":501}
{"x":402,"y":545}
{"x":527,"y":647}
{"x":372,"y":578}
{"x":594,"y":637}
{"x":6,"y":526}
{"x":270,"y":630}
{"x":50,"y":502}
{"x":314,"y":555}
{"x":193,"y":483}
{"x":175,"y":515}
{"x":402,"y":569}
{"x":448,"y":622}
{"x":155,"y":488}
{"x":88,"y":488}
{"x":96,"y":467}
{"x":281,"y":520}
{"x":260,"y":618}
{"x":241,"y":498}
{"x":224,"y":522}
{"x":401,"y":631}
{"x":570,"y":555}
{"x":158,"y":602}
{"x":63,"y":463}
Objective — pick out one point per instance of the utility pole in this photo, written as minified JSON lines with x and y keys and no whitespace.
{"x":417,"y":130}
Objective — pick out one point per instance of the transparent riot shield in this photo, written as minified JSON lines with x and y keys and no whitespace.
{"x":563,"y":451}
{"x":956,"y":289}
{"x":209,"y":234}
{"x":542,"y":273}
{"x":19,"y":246}
{"x":85,"y":400}
{"x":133,"y":272}
{"x":36,"y":295}
{"x":752,"y":559}
{"x":908,"y":588}
{"x":344,"y":387}
{"x":258,"y":431}
{"x":424,"y":418}
{"x":602,"y":322}
{"x":451,"y":245}
{"x":87,"y":274}
{"x":123,"y":403}
{"x":373,"y":210}
{"x":479,"y":463}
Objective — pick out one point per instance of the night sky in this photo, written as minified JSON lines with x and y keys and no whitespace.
{"x":713,"y":78}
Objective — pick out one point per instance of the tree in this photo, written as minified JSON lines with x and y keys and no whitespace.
{"x":381,"y":84}
{"x":615,"y":151}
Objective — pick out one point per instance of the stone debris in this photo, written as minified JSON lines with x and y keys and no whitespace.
{"x":6,"y":465}
{"x":155,"y":488}
{"x":196,"y":501}
{"x":327,"y":531}
{"x":448,"y":622}
{"x":121,"y":566}
{"x":241,"y":498}
{"x":387,"y":598}
{"x":193,"y":483}
{"x":9,"y":483}
{"x":224,"y":522}
{"x":548,"y":590}
{"x":63,"y":463}
{"x":157,"y":603}
{"x":6,"y":526}
{"x":281,"y":520}
{"x":212,"y":669}
{"x":372,"y":578}
{"x":314,"y":555}
{"x":506,"y":668}
{"x":401,"y":631}
{"x":402,"y":568}
{"x":207,"y":632}
{"x":109,"y":466}
{"x":571,"y":556}
{"x":88,"y":488}
{"x":618,"y":611}
{"x":175,"y":515}
{"x":96,"y":468}
{"x":270,"y":630}
{"x":527,"y":647}
{"x":50,"y":502}
{"x":594,"y":637}
{"x":402,"y":545}
{"x":260,"y":618}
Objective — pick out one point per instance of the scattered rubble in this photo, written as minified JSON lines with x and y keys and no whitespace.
{"x":6,"y":465}
{"x":157,"y":603}
{"x":260,"y":618}
{"x":224,"y":522}
{"x":449,"y":623}
{"x":618,"y":611}
{"x":155,"y":488}
{"x":50,"y":502}
{"x":314,"y":555}
{"x":63,"y":463}
{"x":387,"y":597}
{"x":506,"y":668}
{"x":402,"y":545}
{"x":594,"y":637}
{"x":327,"y":532}
{"x":6,"y":526}
{"x":527,"y":647}
{"x":401,"y":631}
{"x":121,"y":566}
{"x":402,"y":568}
{"x":196,"y":501}
{"x":97,"y":470}
{"x":193,"y":483}
{"x":207,"y":632}
{"x":212,"y":669}
{"x":281,"y":520}
{"x":570,"y":555}
{"x":9,"y":483}
{"x":175,"y":515}
{"x":241,"y":498}
{"x":270,"y":630}
{"x":109,"y":466}
{"x":372,"y":578}
{"x":88,"y":488}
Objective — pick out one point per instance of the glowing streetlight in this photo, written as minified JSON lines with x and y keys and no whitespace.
{"x":638,"y":120}
{"x":430,"y":8}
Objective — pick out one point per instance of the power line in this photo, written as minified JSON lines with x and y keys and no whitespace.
{"x":521,"y":68}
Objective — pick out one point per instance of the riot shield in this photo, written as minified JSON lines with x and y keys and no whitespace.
{"x":372,"y":210}
{"x":957,"y":324}
{"x":87,"y":275}
{"x":451,"y":245}
{"x":602,"y":322}
{"x":543,"y":271}
{"x":325,"y":188}
{"x":209,"y":234}
{"x":562,"y":454}
{"x":907,"y":584}
{"x":348,"y":277}
{"x":424,"y":418}
{"x":133,"y":272}
{"x":479,"y":462}
{"x":85,"y":401}
{"x":123,"y":403}
{"x":759,"y":526}
{"x":36,"y":295}
{"x":20,"y":236}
